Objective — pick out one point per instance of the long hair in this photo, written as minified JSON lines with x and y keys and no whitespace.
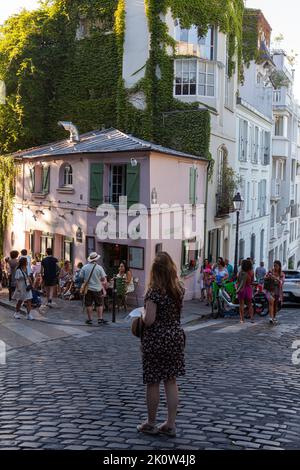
{"x":22,"y":263}
{"x":164,"y":276}
{"x":279,"y":265}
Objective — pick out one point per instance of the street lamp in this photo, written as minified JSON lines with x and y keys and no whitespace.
{"x":238,"y":206}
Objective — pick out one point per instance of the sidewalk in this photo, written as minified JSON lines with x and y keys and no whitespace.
{"x":71,"y":313}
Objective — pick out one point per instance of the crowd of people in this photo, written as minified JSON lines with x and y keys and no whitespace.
{"x":29,"y":279}
{"x":271,"y":283}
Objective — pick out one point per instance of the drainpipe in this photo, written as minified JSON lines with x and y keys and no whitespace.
{"x":205,"y":211}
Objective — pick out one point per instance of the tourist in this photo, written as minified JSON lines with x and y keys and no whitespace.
{"x":50,"y":273}
{"x":36,"y":265}
{"x":260,"y":273}
{"x":23,"y":291}
{"x":163,"y":343}
{"x":12,"y":263}
{"x":126,"y":274}
{"x":220,"y":272}
{"x":94,"y":277}
{"x":37,"y":291}
{"x":65,"y":278}
{"x":273,"y":286}
{"x":245,"y":290}
{"x":24,"y":254}
{"x":207,"y":281}
{"x":230,"y":269}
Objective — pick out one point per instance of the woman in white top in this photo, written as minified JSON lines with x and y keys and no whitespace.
{"x":23,"y":292}
{"x":126,"y":274}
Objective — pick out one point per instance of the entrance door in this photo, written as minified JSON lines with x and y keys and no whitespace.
{"x":113,"y":254}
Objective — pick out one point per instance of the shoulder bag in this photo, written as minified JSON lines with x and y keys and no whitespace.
{"x":85,"y":285}
{"x":137,"y":327}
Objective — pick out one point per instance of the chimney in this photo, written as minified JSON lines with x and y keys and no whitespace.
{"x":69,"y":126}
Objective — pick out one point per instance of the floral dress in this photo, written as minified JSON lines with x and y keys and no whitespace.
{"x":164,"y":341}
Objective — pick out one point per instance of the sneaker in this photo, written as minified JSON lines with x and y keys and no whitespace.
{"x":271,"y":321}
{"x":29,"y":316}
{"x":17,"y":316}
{"x":49,"y":304}
{"x":101,"y":321}
{"x":88,"y":322}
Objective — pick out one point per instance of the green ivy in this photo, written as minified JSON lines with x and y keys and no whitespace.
{"x":8,"y":172}
{"x":51,"y":76}
{"x":250,"y":36}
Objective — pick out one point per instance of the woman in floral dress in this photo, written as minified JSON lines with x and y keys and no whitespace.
{"x":163,"y":342}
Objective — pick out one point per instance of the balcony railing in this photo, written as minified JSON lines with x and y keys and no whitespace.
{"x":276,"y":189}
{"x":188,"y":49}
{"x":224,"y":205}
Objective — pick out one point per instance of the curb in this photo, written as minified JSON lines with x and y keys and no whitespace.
{"x":6,"y":304}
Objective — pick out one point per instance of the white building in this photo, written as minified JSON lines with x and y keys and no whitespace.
{"x":285,"y":193}
{"x":253,"y":164}
{"x":200,"y":77}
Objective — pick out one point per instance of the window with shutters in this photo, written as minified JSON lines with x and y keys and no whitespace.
{"x":193,"y":185}
{"x":96,"y":184}
{"x":39,"y":179}
{"x":267,"y":148}
{"x":124,"y":180}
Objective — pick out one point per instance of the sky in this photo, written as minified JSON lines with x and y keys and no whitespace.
{"x":283,"y":16}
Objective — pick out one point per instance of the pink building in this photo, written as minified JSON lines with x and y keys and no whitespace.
{"x":60,"y":185}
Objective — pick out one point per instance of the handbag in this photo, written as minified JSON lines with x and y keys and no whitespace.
{"x":85,"y":285}
{"x":28,"y":286}
{"x":137,"y":327}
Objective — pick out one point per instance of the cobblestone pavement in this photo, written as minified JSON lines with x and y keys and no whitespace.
{"x":82,"y":388}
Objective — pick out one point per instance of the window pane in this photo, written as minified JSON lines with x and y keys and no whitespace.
{"x":192,"y":78}
{"x":202,"y":79}
{"x":185,"y":89}
{"x":185,"y":78}
{"x":210,"y":91}
{"x":178,"y":66}
{"x":202,"y":67}
{"x":202,"y":90}
{"x":193,"y":89}
{"x":185,"y":65}
{"x":210,"y":79}
{"x":184,"y":34}
{"x":178,"y":90}
{"x":193,"y":66}
{"x":210,"y":68}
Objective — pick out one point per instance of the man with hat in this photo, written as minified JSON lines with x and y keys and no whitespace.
{"x":94,"y":275}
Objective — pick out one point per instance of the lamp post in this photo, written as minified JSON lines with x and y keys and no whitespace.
{"x":238,"y":205}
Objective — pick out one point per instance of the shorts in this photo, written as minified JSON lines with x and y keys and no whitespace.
{"x":93,"y":297}
{"x":245,"y":294}
{"x":50,"y":282}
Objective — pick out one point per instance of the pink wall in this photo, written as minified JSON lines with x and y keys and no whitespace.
{"x":168,"y":174}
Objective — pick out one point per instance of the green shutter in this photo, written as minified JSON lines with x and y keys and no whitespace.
{"x":46,"y":180}
{"x":133,"y":184}
{"x":96,"y":184}
{"x":32,"y":180}
{"x":193,"y":182}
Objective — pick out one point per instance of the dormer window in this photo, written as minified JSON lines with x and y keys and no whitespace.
{"x":68,"y":175}
{"x":66,"y":178}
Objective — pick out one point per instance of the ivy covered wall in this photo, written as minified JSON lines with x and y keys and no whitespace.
{"x":51,"y":75}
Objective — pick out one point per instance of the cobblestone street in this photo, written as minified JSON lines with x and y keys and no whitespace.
{"x":81,"y":388}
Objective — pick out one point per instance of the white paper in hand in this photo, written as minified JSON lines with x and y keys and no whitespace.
{"x":136,"y":313}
